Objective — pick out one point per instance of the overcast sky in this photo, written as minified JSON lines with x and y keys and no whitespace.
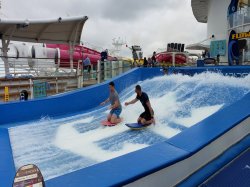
{"x":148,"y":23}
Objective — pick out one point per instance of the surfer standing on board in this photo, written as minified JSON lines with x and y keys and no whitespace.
{"x":147,"y":117}
{"x":115,"y":108}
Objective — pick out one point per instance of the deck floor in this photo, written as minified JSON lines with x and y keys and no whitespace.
{"x":234,"y":174}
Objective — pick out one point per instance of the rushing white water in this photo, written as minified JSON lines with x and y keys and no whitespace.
{"x":60,"y":146}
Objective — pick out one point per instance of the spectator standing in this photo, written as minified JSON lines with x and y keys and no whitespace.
{"x":145,"y":62}
{"x":87,"y":65}
{"x":153,"y":59}
{"x":149,"y":62}
{"x":218,"y":59}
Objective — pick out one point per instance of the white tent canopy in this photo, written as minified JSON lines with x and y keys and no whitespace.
{"x":200,"y":10}
{"x":61,"y":30}
{"x":198,"y":46}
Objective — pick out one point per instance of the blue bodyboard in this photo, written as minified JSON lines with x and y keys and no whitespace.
{"x":136,"y":126}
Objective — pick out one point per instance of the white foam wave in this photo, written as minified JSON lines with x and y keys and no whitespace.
{"x":83,"y":144}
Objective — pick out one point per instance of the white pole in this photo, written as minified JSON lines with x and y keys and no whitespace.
{"x":173,"y":59}
{"x":31,"y":89}
{"x":59,"y":58}
{"x":5,"y":58}
{"x":243,"y":56}
{"x":71,"y":51}
{"x":56,"y":85}
{"x":99,"y":71}
{"x":79,"y":75}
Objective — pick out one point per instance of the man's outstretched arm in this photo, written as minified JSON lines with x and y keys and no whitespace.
{"x":131,"y":102}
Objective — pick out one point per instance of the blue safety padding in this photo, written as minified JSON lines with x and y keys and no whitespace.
{"x":208,"y":170}
{"x":7,"y":166}
{"x":212,"y":127}
{"x":149,"y":73}
{"x":237,"y":71}
{"x":124,"y":169}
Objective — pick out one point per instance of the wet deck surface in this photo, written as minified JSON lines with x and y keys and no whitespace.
{"x":235,"y":174}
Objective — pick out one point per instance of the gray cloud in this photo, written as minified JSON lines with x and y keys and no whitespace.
{"x":149,"y":23}
{"x":131,"y":9}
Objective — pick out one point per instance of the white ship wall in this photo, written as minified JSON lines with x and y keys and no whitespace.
{"x":217,"y":22}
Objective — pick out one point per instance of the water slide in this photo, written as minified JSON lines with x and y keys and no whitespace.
{"x":65,"y":141}
{"x":45,"y":58}
{"x":80,"y":53}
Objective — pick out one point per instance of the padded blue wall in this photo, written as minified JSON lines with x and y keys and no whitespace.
{"x":109,"y":173}
{"x":7,"y":167}
{"x":236,"y":71}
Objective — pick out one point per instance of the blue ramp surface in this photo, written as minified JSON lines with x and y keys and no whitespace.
{"x":237,"y":173}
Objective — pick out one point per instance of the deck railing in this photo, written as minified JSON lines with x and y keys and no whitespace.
{"x":238,"y":19}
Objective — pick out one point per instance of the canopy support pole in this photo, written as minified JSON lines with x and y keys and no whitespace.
{"x":71,"y":52}
{"x":5,"y":45}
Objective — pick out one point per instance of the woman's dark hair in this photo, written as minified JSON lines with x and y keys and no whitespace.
{"x":138,"y":87}
{"x":112,"y":84}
